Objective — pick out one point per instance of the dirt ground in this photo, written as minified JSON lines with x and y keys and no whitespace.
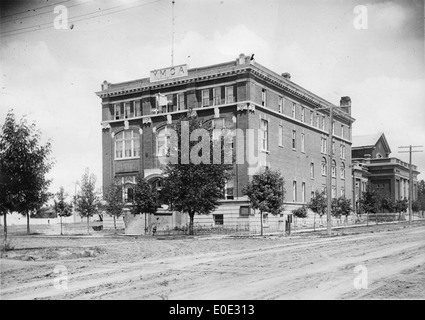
{"x":387,"y":259}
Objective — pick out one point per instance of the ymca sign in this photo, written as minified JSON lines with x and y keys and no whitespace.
{"x":168,"y":73}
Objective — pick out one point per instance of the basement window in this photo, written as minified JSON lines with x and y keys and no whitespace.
{"x":218,"y":219}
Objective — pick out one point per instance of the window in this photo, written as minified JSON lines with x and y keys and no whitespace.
{"x":280,"y":104}
{"x":293,"y":110}
{"x":302,"y":114}
{"x":303,"y":192}
{"x":333,"y":169}
{"x":312,"y":195}
{"x":342,"y":171}
{"x":228,"y":189}
{"x":218,"y":124}
{"x":218,"y":219}
{"x":280,"y":135}
{"x":162,"y":142}
{"x":333,"y":147}
{"x":205,"y":98}
{"x":127,"y":144}
{"x":312,"y":170}
{"x":311,"y":118}
{"x":333,"y":192}
{"x":343,"y":151}
{"x":333,"y":127}
{"x":302,"y":142}
{"x":118,"y":111}
{"x":217,"y":96}
{"x":180,"y":102}
{"x":229,"y":94}
{"x":323,"y":123}
{"x":342,"y":131}
{"x":294,"y":142}
{"x":342,"y":192}
{"x":324,"y":167}
{"x":317,"y":121}
{"x":323,"y":145}
{"x":263,"y":97}
{"x":264,"y":134}
{"x":128,"y":110}
{"x":128,"y":183}
{"x":294,"y":191}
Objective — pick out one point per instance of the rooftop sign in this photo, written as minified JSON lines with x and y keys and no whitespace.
{"x":168,"y":73}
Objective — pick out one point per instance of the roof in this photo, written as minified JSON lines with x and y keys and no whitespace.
{"x":370,"y":140}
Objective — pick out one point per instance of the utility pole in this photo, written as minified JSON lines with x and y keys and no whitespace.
{"x":329,"y":181}
{"x":172,"y":36}
{"x":410,"y":175}
{"x":329,"y":177}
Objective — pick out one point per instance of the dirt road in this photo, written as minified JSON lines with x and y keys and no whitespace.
{"x":391,"y":263}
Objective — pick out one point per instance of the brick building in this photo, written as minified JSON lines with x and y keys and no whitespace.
{"x":240,"y":94}
{"x":388,"y":175}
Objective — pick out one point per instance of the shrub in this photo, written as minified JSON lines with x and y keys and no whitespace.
{"x":300,"y":212}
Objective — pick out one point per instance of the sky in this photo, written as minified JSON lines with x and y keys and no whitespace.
{"x":372,"y":51}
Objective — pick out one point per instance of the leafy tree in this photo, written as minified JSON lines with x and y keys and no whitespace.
{"x":114,"y":201}
{"x":421,"y":196}
{"x":341,"y":207}
{"x":266,"y":192}
{"x":61,"y":207}
{"x":416,"y":206}
{"x":318,"y":204}
{"x":370,"y":201}
{"x":145,"y":198}
{"x":87,"y":200}
{"x":24,"y":163}
{"x":189,"y":185}
{"x":386,"y":203}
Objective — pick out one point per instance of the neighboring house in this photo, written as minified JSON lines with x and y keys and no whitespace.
{"x":388,"y":175}
{"x":291,"y":123}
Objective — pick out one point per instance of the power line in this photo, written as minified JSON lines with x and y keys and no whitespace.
{"x":41,"y":13}
{"x":74,"y":19}
{"x":49,"y":5}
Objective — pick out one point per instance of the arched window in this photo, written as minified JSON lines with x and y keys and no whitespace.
{"x":324,"y":166}
{"x":127,"y":144}
{"x":342,"y":171}
{"x":162,"y":141}
{"x":333,"y":169}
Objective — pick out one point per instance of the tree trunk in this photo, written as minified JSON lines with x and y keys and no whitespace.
{"x":61,"y":225}
{"x":191,"y":223}
{"x":28,"y":222}
{"x":314,"y":222}
{"x":5,"y":229}
{"x":261,"y":223}
{"x":88,"y":224}
{"x":115,"y":225}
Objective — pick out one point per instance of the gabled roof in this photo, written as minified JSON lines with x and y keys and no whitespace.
{"x":369,"y":141}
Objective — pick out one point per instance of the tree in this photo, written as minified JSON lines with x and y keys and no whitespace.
{"x":61,"y":207}
{"x":341,"y":207}
{"x":24,"y":163}
{"x":370,"y":201}
{"x":421,"y":196}
{"x":87,"y":200}
{"x":266,"y":192}
{"x":114,"y":201}
{"x":318,"y":204}
{"x":401,"y":206}
{"x":195,"y":184}
{"x":145,"y":198}
{"x":386,"y":203}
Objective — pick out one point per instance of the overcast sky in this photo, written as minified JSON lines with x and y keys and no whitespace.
{"x":51,"y":75}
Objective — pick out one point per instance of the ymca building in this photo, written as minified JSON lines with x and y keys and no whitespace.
{"x":293,"y":125}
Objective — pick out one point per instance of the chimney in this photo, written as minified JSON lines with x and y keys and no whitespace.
{"x":345,"y":104}
{"x":286,"y":75}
